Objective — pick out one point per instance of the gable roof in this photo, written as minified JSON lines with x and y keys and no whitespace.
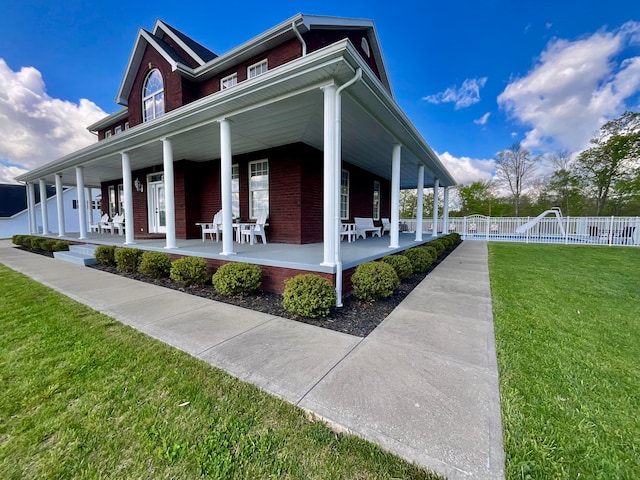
{"x":215,"y":64}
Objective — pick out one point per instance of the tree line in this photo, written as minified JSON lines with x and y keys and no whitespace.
{"x":604,"y":179}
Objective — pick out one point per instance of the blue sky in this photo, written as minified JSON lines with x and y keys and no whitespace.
{"x":473,"y":76}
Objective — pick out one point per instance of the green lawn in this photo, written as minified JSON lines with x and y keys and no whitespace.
{"x":83,"y":396}
{"x":567,"y":325}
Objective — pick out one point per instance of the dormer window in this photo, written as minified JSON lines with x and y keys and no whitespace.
{"x":153,"y":96}
{"x":228,"y":82}
{"x":257,"y":69}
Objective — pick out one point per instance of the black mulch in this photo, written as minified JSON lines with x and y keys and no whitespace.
{"x":354,"y":317}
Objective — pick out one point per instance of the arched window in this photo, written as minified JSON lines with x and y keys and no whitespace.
{"x":153,"y":96}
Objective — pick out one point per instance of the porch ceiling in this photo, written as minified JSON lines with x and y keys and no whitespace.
{"x":286,"y":106}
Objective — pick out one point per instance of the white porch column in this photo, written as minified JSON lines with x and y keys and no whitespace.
{"x":90,"y":204}
{"x":420,"y":203}
{"x":31,"y":208}
{"x":329,"y":177}
{"x":60,"y":205}
{"x":395,"y":195}
{"x":127,"y":185}
{"x":436,"y":189}
{"x":169,"y":196}
{"x":445,"y":211}
{"x":43,"y":206}
{"x":82,"y":212}
{"x":225,"y":187}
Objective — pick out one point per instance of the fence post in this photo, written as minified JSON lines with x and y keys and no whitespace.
{"x":611,"y":231}
{"x":566,"y":231}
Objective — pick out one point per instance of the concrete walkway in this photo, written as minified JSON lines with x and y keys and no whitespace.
{"x":423,"y":385}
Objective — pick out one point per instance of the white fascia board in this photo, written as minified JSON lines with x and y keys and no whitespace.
{"x":318,"y":21}
{"x":109,"y":120}
{"x":163,"y":26}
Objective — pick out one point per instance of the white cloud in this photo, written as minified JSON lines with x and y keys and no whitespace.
{"x":465,"y":96}
{"x":574,"y":88}
{"x":483,"y":119}
{"x":36,"y":128}
{"x":466,"y":170}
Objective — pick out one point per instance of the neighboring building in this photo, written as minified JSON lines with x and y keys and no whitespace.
{"x":300,"y":122}
{"x":14,"y":216}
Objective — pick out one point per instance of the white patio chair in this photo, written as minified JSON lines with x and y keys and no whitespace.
{"x":97,"y":227}
{"x":118,"y":223}
{"x":251,"y":230}
{"x":386,"y":225}
{"x":213,"y":227}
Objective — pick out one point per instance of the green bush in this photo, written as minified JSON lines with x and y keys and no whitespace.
{"x":26,"y":241}
{"x":61,"y":246}
{"x":373,"y":280}
{"x":438,"y":245}
{"x":190,"y":270}
{"x":309,"y":295}
{"x":37,"y":243}
{"x":237,"y":278}
{"x":401,"y":264}
{"x":420,"y":258}
{"x":155,"y":264}
{"x":48,"y":244}
{"x":106,"y":255}
{"x":128,"y":259}
{"x":455,"y":237}
{"x":17,"y":239}
{"x":448,"y":242}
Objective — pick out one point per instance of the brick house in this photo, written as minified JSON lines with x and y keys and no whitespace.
{"x":300,"y":122}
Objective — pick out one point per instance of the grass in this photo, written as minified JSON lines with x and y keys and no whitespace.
{"x":84,"y":396}
{"x":567,"y":323}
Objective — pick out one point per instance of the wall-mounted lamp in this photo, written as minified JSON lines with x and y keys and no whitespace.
{"x":139,"y":185}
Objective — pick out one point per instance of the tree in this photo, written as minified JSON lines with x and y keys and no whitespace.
{"x":514,"y":168}
{"x":613,"y":158}
{"x":476,"y":198}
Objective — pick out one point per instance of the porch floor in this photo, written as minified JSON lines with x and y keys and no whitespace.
{"x":298,"y":257}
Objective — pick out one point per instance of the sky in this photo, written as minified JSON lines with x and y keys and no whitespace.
{"x":474,"y":77}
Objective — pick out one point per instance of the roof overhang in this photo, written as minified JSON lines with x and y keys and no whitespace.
{"x":109,"y":120}
{"x":280,"y":107}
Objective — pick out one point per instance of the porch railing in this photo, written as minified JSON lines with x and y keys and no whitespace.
{"x":622,"y":231}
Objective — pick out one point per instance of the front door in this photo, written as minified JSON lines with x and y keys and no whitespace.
{"x":157,"y":212}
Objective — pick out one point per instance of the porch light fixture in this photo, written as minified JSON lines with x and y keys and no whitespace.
{"x":139,"y":186}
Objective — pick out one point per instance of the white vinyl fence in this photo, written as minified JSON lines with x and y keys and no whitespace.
{"x":543,"y":229}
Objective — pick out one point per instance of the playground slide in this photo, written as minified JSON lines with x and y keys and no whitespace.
{"x":556,"y":211}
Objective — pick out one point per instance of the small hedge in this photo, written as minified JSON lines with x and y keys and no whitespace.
{"x":61,"y":246}
{"x":48,"y":244}
{"x":401,"y":264}
{"x":128,"y":259}
{"x":190,"y":271}
{"x":456,"y":237}
{"x":155,"y":264}
{"x":237,"y":279}
{"x":438,"y":245}
{"x":106,"y":255}
{"x":374,"y":280}
{"x":308,"y":295}
{"x":37,"y":243}
{"x":18,"y":239}
{"x":420,"y":258}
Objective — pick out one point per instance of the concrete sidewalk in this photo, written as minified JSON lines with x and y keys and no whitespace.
{"x":423,"y":385}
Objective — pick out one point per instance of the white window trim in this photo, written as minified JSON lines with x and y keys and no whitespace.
{"x":112,"y":200}
{"x":345,"y":196}
{"x":235,"y":175}
{"x":376,"y":201}
{"x":107,"y":134}
{"x":251,"y":216}
{"x":255,"y":65}
{"x":117,"y":130}
{"x":126,"y":125}
{"x":228,"y":77}
{"x":152,"y":96}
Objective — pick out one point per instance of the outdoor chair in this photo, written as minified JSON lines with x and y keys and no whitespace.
{"x":364,"y":225}
{"x":251,"y":230}
{"x":386,"y":226}
{"x":118,"y":223}
{"x":97,"y":227}
{"x":213,"y":227}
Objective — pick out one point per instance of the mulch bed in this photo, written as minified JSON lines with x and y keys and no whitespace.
{"x":355,"y":317}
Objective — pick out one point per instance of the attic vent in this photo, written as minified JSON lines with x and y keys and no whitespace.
{"x":365,"y":46}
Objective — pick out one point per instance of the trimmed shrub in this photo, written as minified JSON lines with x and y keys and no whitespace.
{"x":26,"y":241}
{"x":448,"y":243}
{"x":237,"y":278}
{"x":420,"y":258}
{"x":190,"y":271}
{"x":308,"y":295}
{"x":48,"y":244}
{"x":401,"y":264}
{"x":105,"y":255}
{"x":373,"y":280}
{"x":438,"y":245}
{"x":61,"y":246}
{"x":37,"y":243}
{"x":17,"y":239}
{"x":455,"y":237}
{"x":128,"y":259}
{"x":155,"y":264}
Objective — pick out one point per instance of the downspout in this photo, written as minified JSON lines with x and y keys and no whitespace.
{"x":304,"y":45}
{"x":338,"y":177}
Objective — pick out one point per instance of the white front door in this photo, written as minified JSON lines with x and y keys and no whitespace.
{"x":155,"y":197}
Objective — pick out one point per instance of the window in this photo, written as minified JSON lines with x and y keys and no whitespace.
{"x":118,"y":130}
{"x":376,"y":200}
{"x":228,"y":82}
{"x":153,"y":96}
{"x":235,"y":190}
{"x":107,"y":134}
{"x":112,"y":201}
{"x":126,"y":125}
{"x":365,"y":47}
{"x":344,"y":195}
{"x":121,"y":198}
{"x":257,"y":69}
{"x":258,"y":187}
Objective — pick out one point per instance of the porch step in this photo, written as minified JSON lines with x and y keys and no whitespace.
{"x":78,"y":254}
